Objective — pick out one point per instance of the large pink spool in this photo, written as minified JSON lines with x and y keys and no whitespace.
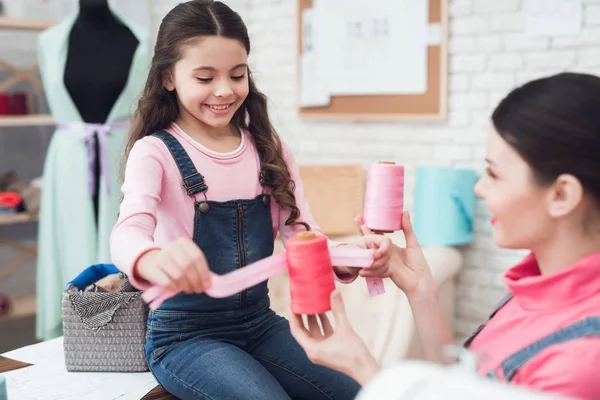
{"x":311,"y":274}
{"x":384,"y":197}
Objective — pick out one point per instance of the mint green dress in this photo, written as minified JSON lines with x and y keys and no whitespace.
{"x":68,"y":238}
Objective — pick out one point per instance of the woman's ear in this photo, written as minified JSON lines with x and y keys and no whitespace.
{"x":566,"y":194}
{"x":167,"y":79}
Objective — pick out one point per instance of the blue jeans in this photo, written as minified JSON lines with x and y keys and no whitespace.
{"x":246,"y":355}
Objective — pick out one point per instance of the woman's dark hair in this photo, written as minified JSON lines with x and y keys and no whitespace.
{"x":157,"y":107}
{"x":554,"y":124}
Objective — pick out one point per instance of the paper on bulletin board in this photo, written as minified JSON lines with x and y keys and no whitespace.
{"x":552,"y":17}
{"x":313,"y":90}
{"x":374,"y":48}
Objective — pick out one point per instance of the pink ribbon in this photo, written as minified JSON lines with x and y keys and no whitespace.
{"x":257,"y":272}
{"x":101,"y":131}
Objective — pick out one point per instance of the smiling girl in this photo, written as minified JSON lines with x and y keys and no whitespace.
{"x":208,"y":182}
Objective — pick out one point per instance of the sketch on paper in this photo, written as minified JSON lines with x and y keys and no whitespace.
{"x":371,"y":48}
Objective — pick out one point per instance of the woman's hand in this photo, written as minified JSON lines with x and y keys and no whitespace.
{"x":179,"y":266}
{"x":408,"y":266}
{"x":342,"y":350}
{"x":411,"y":273}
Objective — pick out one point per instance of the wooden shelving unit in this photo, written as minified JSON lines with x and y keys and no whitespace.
{"x":26,"y":120}
{"x":21,"y":307}
{"x":25,"y":24}
{"x":19,"y":218}
{"x":23,"y":74}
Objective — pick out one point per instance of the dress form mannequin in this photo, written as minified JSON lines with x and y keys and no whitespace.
{"x":90,"y":62}
{"x":100,"y":53}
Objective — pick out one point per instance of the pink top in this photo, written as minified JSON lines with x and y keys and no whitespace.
{"x":156,"y":209}
{"x":541,"y":305}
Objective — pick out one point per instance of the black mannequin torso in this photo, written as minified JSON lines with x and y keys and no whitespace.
{"x":100,"y":53}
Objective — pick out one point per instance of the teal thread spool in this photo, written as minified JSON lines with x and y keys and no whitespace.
{"x":444,"y":205}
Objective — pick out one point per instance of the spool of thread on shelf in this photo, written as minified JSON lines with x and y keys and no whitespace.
{"x":19,"y":103}
{"x":384,"y":197}
{"x":4,"y":104}
{"x":311,"y":274}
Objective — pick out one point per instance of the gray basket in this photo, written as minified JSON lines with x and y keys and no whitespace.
{"x":105,"y":331}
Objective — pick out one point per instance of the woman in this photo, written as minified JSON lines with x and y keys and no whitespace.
{"x":542,"y":186}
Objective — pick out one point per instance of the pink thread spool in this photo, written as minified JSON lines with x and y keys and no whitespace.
{"x":384,"y":197}
{"x":19,"y":103}
{"x":311,"y":274}
{"x":4,"y":104}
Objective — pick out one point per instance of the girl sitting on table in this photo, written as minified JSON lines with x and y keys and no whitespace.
{"x":542,"y":187}
{"x":208,"y":181}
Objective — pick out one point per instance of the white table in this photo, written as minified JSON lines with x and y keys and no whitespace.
{"x":48,"y":379}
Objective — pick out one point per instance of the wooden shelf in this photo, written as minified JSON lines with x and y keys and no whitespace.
{"x":19,"y":218}
{"x":25,"y":23}
{"x":21,"y":307}
{"x":26,"y":120}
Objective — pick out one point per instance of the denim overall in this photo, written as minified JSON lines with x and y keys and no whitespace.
{"x":511,"y":365}
{"x":200,"y":347}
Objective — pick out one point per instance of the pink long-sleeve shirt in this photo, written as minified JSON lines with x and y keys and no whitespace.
{"x":157,"y":210}
{"x":543,"y":304}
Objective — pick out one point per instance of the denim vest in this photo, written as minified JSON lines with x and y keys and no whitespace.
{"x":231,"y":234}
{"x":511,"y":365}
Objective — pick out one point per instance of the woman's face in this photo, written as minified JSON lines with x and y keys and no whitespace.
{"x":518,"y":205}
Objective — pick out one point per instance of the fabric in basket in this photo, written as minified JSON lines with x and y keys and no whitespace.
{"x":97,"y":308}
{"x":104,"y":331}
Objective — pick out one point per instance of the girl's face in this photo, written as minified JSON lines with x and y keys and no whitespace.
{"x":519,"y":206}
{"x":211,"y":80}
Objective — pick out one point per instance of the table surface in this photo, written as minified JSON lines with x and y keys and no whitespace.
{"x":158,"y":393}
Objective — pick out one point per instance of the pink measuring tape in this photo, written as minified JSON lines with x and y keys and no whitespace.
{"x":310,"y":262}
{"x":384,"y":204}
{"x":308,"y":258}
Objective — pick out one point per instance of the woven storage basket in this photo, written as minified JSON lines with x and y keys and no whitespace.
{"x":105,"y":331}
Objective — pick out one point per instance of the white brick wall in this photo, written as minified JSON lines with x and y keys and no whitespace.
{"x":489,"y":54}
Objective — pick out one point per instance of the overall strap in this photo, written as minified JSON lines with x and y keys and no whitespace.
{"x":193,"y":181}
{"x":585,"y":328}
{"x":502,"y":303}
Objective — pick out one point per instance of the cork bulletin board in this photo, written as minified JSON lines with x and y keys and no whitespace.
{"x":428,"y":106}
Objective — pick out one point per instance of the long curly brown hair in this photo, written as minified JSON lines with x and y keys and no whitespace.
{"x":157,"y":108}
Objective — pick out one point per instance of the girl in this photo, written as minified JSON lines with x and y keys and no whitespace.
{"x":208,"y":182}
{"x":542,"y":186}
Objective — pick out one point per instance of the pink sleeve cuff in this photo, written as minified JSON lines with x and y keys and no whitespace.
{"x":342,"y":276}
{"x":136,"y":281}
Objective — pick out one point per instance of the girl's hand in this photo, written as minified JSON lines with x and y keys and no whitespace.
{"x":342,"y":350}
{"x":409,"y":268}
{"x":178,"y":266}
{"x":384,"y":252}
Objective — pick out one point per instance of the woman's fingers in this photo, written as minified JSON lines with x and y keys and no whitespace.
{"x":326,"y":324}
